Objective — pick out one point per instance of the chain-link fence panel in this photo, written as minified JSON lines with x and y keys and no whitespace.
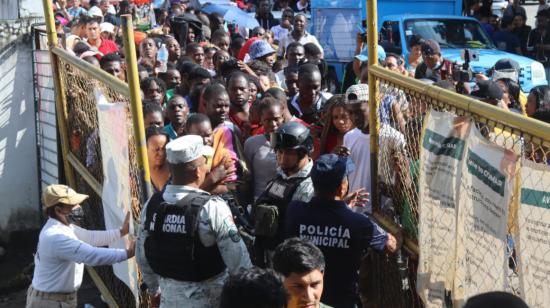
{"x":85,"y":147}
{"x":403,"y":107}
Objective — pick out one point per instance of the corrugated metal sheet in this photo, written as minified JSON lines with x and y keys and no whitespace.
{"x":9,"y":9}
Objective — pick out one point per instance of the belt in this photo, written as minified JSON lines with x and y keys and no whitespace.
{"x":55,"y":296}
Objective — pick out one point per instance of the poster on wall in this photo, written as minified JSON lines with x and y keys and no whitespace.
{"x":116,"y":193}
{"x":442,"y":151}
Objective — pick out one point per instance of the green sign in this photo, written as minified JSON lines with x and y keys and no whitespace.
{"x":441,"y":145}
{"x":486,"y":173}
{"x":535,"y":198}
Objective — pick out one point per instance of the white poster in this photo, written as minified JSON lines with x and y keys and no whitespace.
{"x":534,"y":234}
{"x":485,"y":189}
{"x":116,"y":197}
{"x":441,"y":155}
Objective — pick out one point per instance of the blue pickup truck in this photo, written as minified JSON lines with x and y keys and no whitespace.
{"x":335,"y":23}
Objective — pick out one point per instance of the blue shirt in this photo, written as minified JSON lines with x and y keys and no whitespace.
{"x":343,"y":236}
{"x":169,"y":129}
{"x":506,"y":41}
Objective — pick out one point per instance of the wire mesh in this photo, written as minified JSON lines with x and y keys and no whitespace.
{"x":401,"y":112}
{"x":83,"y":136}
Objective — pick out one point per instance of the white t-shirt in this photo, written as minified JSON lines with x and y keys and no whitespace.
{"x":359,"y":146}
{"x":279,"y":32}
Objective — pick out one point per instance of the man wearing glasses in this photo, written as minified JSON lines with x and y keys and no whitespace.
{"x":188,"y":242}
{"x":434,"y":66}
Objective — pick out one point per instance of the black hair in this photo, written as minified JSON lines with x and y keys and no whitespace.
{"x":312,"y":49}
{"x":295,"y":45}
{"x":186,"y":66}
{"x":254,"y":32}
{"x":308,"y":69}
{"x":146,"y":83}
{"x":495,"y":299}
{"x":254,"y":288}
{"x":296,"y":255}
{"x":237,"y":74}
{"x":199,"y":73}
{"x":80,"y":47}
{"x":213,"y":89}
{"x":218,"y":34}
{"x":229,"y":67}
{"x":276,"y":93}
{"x":415,"y":40}
{"x":396,"y":56}
{"x":92,"y":20}
{"x":191,"y":48}
{"x":268,"y":102}
{"x":154,"y":130}
{"x":196,"y":118}
{"x":110,"y":57}
{"x":151,"y":107}
{"x":236,"y":41}
{"x":542,"y":95}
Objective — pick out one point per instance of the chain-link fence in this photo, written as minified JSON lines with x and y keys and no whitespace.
{"x":81,"y":85}
{"x":524,"y":144}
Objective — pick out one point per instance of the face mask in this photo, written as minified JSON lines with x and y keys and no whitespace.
{"x":76,"y":216}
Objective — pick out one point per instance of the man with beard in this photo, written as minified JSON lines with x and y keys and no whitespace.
{"x":237,"y":89}
{"x":176,"y":111}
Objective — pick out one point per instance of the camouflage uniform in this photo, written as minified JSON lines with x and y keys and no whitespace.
{"x":216,"y":226}
{"x":304,"y":192}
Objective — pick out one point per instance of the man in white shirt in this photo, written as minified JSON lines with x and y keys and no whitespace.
{"x":357,"y":141}
{"x":64,"y":248}
{"x":282,"y":29}
{"x":298,"y":34}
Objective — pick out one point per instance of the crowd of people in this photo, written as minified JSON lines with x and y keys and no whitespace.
{"x":261,"y":175}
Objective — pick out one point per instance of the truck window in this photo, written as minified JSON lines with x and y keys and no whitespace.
{"x":450,"y":33}
{"x":390,"y":38}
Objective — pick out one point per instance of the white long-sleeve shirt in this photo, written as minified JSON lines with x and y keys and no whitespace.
{"x":216,"y":226}
{"x":62,"y":252}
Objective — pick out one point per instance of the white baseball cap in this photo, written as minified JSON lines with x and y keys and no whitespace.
{"x":107,"y":27}
{"x":187,"y":148}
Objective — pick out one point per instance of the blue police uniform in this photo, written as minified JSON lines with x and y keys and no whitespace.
{"x":343,"y":236}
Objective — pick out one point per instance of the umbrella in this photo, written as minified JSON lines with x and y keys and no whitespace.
{"x":232,"y":14}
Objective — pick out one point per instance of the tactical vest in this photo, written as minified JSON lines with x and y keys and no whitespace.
{"x":270,"y":209}
{"x":173,"y":248}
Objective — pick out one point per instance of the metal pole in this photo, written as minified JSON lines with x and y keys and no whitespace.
{"x":374,"y":123}
{"x":135,"y":101}
{"x":60,"y":99}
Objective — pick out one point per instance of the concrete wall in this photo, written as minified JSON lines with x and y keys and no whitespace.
{"x":19,"y":201}
{"x":19,"y":183}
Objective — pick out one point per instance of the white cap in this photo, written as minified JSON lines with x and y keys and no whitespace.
{"x":107,"y":27}
{"x":187,"y":148}
{"x":94,"y":11}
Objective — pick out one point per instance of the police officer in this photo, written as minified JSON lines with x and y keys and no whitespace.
{"x":188,"y":241}
{"x":292,"y":143}
{"x":340,"y":233}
